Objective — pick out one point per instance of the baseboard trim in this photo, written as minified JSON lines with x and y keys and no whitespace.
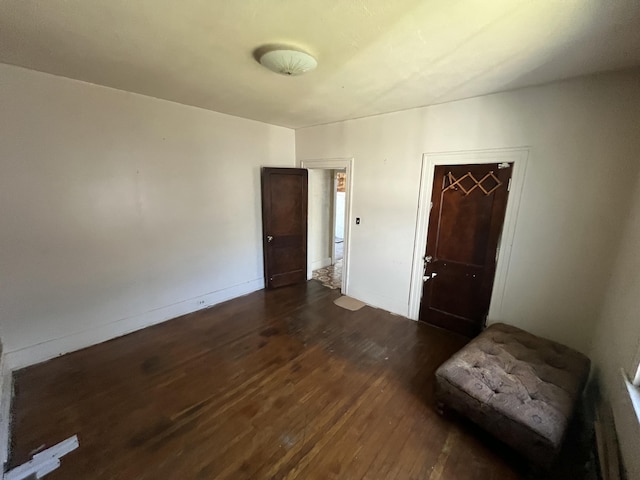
{"x":6,"y":394}
{"x":325,"y":262}
{"x":52,"y":348}
{"x":607,"y":442}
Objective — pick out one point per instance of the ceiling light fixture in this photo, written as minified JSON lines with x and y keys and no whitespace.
{"x":288,"y":62}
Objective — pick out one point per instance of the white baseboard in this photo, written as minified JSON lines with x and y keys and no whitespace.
{"x":52,"y":348}
{"x":6,"y":393}
{"x":325,"y":262}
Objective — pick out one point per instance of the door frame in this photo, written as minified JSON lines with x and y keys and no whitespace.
{"x":347,"y":165}
{"x":519,"y":157}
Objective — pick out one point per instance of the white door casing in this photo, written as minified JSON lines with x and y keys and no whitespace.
{"x":517,"y":156}
{"x":347,"y":165}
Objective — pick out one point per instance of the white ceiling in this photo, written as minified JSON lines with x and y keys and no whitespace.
{"x":374,"y":56}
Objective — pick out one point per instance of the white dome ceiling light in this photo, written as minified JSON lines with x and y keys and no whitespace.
{"x":288,"y":62}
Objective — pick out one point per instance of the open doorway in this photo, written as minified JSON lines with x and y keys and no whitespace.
{"x":328,"y":222}
{"x":326,"y":225}
{"x":339,"y":210}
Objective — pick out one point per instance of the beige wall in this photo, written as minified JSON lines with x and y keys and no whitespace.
{"x":617,"y":337}
{"x":583,"y":136}
{"x":120,"y":210}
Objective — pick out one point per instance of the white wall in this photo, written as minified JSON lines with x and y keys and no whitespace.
{"x":584,"y":142}
{"x":320,"y":217}
{"x":120,"y":210}
{"x":340,"y":213}
{"x":617,"y":338}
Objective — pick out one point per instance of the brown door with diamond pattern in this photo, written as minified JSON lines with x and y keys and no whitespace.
{"x":468,"y":205}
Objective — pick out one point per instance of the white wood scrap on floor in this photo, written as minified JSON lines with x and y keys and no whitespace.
{"x":44,"y":462}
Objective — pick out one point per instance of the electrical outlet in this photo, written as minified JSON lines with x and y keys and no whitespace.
{"x":200,"y":302}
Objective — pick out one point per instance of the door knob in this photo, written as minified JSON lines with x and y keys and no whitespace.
{"x":428,"y":258}
{"x":269,"y":238}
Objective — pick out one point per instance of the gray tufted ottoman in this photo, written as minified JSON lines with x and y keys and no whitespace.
{"x":521,"y":388}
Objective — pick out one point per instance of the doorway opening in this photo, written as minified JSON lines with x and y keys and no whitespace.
{"x":326,"y":226}
{"x":339,"y":215}
{"x":328,"y":221}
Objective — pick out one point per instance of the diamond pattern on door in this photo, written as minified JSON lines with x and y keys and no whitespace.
{"x":488,"y":184}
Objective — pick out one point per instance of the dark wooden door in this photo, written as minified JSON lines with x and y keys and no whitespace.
{"x":284,"y":226}
{"x":465,"y":223}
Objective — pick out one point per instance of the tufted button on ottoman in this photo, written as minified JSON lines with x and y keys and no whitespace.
{"x":521,"y":388}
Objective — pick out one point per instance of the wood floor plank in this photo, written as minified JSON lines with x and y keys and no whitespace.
{"x":278,"y":384}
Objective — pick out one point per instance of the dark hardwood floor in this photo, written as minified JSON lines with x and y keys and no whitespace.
{"x":279,"y":384}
